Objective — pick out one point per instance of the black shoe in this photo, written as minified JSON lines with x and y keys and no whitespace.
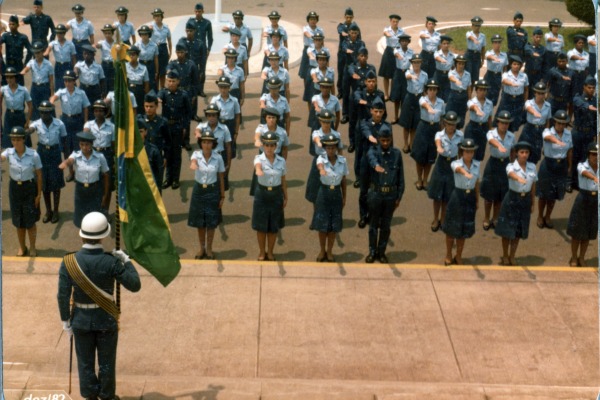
{"x":569,"y":188}
{"x":47,"y":218}
{"x":175,"y":186}
{"x":371,"y":258}
{"x":167,"y":184}
{"x":362,"y":223}
{"x":55,"y":217}
{"x":344,"y":120}
{"x":202,"y":94}
{"x":351,"y":148}
{"x":187,"y":147}
{"x":383,"y":259}
{"x":356,"y":184}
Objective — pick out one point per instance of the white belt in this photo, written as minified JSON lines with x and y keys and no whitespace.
{"x":87,"y":305}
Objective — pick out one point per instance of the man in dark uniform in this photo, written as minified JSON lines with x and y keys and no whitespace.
{"x":176,"y":110}
{"x":155,"y":158}
{"x":40,"y":23}
{"x":157,"y":132}
{"x":360,"y":109}
{"x":369,"y":131}
{"x":385,"y":192}
{"x":350,"y":49}
{"x":343,"y":33}
{"x":89,"y":276}
{"x":358,"y":75}
{"x":560,"y":86}
{"x":517,"y":36}
{"x":188,"y":81}
{"x":585,"y":106}
{"x":197,"y":54}
{"x":534,"y":60}
{"x":205,"y":34}
{"x":14,"y":45}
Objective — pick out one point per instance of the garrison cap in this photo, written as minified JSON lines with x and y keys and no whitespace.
{"x":199,"y":6}
{"x":385,"y":132}
{"x":522,"y":145}
{"x":577,"y":38}
{"x":69,"y":75}
{"x":13,"y":19}
{"x":89,"y":48}
{"x":150,"y":97}
{"x":141,"y":123}
{"x":348,"y":11}
{"x":540,"y":87}
{"x":353,"y":27}
{"x":274,"y":83}
{"x":518,"y":15}
{"x":325,"y":115}
{"x":60,"y":28}
{"x":445,"y":38}
{"x":235,"y":31}
{"x":86,"y":137}
{"x":326,"y":82}
{"x":590,"y":81}
{"x":271,"y":111}
{"x":371,"y":75}
{"x":515,"y":58}
{"x":231,"y":53}
{"x":496,"y":38}
{"x":38,"y":3}
{"x":378,"y":104}
{"x":363,"y":51}
{"x":395,"y":16}
{"x":190,"y":25}
{"x":404,"y":36}
{"x":181,"y":47}
{"x":416,"y":58}
{"x":538,"y":31}
{"x":133,"y":49}
{"x":173,"y":74}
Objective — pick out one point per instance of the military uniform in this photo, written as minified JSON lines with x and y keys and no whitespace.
{"x":534,"y":64}
{"x":72,"y":105}
{"x":49,"y":137}
{"x":91,"y":79}
{"x":16,"y":43}
{"x":342,"y":30}
{"x":584,"y":127}
{"x":496,"y":62}
{"x":15,"y":102}
{"x":532,"y":132}
{"x":517,"y":38}
{"x":64,"y":56}
{"x":348,"y":82}
{"x":41,"y":73}
{"x":429,"y":45}
{"x":479,"y":125}
{"x":205,"y":34}
{"x":474,"y":54}
{"x":81,"y":31}
{"x":553,"y":177}
{"x":40,"y":26}
{"x":107,"y":61}
{"x":561,"y":89}
{"x":148,"y":55}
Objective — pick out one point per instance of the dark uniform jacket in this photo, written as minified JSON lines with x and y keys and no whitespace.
{"x":188,"y":76}
{"x":40,"y":25}
{"x":391,"y":160}
{"x":176,"y":107}
{"x":204,"y":32}
{"x":15,"y":45}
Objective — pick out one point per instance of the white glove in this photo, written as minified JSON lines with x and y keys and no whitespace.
{"x":67,"y":328}
{"x":120,"y":254}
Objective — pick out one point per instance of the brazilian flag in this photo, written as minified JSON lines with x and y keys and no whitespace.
{"x":144,"y":220}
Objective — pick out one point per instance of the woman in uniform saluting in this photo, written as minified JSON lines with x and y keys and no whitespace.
{"x":92,"y":182}
{"x":270,"y":197}
{"x":25,"y":189}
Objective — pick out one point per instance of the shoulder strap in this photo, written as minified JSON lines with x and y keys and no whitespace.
{"x":99,"y":296}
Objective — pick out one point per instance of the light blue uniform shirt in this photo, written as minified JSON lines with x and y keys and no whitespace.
{"x":284,"y":140}
{"x":282,"y":51}
{"x":229,"y":108}
{"x":236,"y":75}
{"x":160,"y":35}
{"x":272,"y":173}
{"x":244,"y":30}
{"x":393,"y":40}
{"x":88,"y":170}
{"x":105,"y":50}
{"x":81,"y":31}
{"x":319,"y":132}
{"x":521,"y":79}
{"x":465,"y":80}
{"x":74,"y":103}
{"x":450,"y":145}
{"x":529,"y":174}
{"x":308,"y":40}
{"x":471,"y":44}
{"x":15,"y":100}
{"x":269,"y":29}
{"x":282,"y":105}
{"x":461,"y":181}
{"x":333,"y":104}
{"x":137,"y":75}
{"x":404,"y":62}
{"x":591,"y":48}
{"x":22,"y":168}
{"x":127,"y":30}
{"x":242,"y":53}
{"x":148,"y":51}
{"x":545,"y":112}
{"x":586,"y":183}
{"x":221,"y":133}
{"x":578,"y":65}
{"x":89,"y":74}
{"x":552,"y":150}
{"x":104,"y":133}
{"x":432,"y":42}
{"x":49,"y":135}
{"x":449,"y":58}
{"x":62,"y":52}
{"x":282,"y":74}
{"x":208,"y":170}
{"x":334,"y":172}
{"x":496,"y":66}
{"x":312,"y":51}
{"x":554,"y":46}
{"x":40,"y":73}
{"x":508,"y":142}
{"x":416,"y":86}
{"x":111,"y":96}
{"x":487,"y":107}
{"x":439,"y":107}
{"x":329,"y":73}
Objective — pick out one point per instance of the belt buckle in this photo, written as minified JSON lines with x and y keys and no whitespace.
{"x":86,"y":185}
{"x":384,"y":189}
{"x":468,"y":191}
{"x":594,"y":193}
{"x":19,"y":183}
{"x":448,"y":158}
{"x":270,"y":188}
{"x":48,"y":147}
{"x":204,"y":186}
{"x":502,"y":159}
{"x":522,"y":194}
{"x":331,"y":187}
{"x":558,"y":160}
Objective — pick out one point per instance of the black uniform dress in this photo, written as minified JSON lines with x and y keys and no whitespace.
{"x":583,"y":220}
{"x":460,"y":211}
{"x":96,"y":331}
{"x":386,"y":188}
{"x":327,"y":216}
{"x":441,"y":184}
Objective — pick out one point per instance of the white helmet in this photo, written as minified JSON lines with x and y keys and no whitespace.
{"x":94,"y":226}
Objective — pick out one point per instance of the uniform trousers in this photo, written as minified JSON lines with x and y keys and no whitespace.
{"x":381,"y":210}
{"x":88,"y":343}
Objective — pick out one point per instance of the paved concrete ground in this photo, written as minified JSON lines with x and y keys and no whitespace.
{"x":242,"y":330}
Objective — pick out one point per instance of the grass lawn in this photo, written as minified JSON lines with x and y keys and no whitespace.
{"x":459,"y":44}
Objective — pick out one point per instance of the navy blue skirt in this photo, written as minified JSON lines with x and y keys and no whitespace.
{"x":513,"y":104}
{"x":399,"y":84}
{"x":204,"y":206}
{"x":552,"y":179}
{"x":583,"y":220}
{"x":441,"y":184}
{"x":495,"y":81}
{"x":313,"y":182}
{"x":494,"y":183}
{"x":73,"y":125}
{"x":428,"y":64}
{"x":52,"y":177}
{"x":163,"y":59}
{"x":460,"y":214}
{"x":267,"y":211}
{"x":457,"y":102}
{"x":87,"y":199}
{"x":423,"y":148}
{"x":304,"y":67}
{"x":532,"y":134}
{"x":477,"y":131}
{"x":59,"y":72}
{"x":109,"y":75}
{"x":12,"y":119}
{"x":39,"y":93}
{"x":327,"y":216}
{"x":410,"y":114}
{"x":387,"y":68}
{"x":515,"y":214}
{"x":21,"y":197}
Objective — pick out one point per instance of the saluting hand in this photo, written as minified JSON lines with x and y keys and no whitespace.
{"x":379,"y":169}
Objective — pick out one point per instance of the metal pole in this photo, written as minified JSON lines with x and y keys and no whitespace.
{"x":217,"y":12}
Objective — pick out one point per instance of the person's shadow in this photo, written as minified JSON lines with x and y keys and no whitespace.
{"x":210,"y":393}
